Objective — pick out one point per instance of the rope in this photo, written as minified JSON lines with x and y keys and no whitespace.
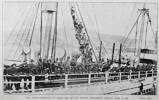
{"x":146,"y":34}
{"x":34,"y":26}
{"x":41,"y":31}
{"x":91,"y":21}
{"x":136,"y":37}
{"x":98,"y":31}
{"x":129,"y":19}
{"x":131,"y":29}
{"x":13,"y":29}
{"x":141,"y":35}
{"x":64,"y":27}
{"x":105,"y":51}
{"x":45,"y":37}
{"x":27,"y":24}
{"x":16,"y":38}
{"x":52,"y":51}
{"x":96,"y":25}
{"x":55,"y":30}
{"x":151,"y":24}
{"x":49,"y":30}
{"x":136,"y":22}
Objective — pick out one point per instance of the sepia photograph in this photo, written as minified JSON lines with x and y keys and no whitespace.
{"x":79,"y":48}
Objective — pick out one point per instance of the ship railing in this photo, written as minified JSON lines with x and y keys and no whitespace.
{"x":31,"y":83}
{"x":147,"y":88}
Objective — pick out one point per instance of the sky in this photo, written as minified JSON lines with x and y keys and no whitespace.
{"x":108,"y":15}
{"x":106,"y":18}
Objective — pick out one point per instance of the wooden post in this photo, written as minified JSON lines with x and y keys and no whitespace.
{"x":146,"y":74}
{"x":14,"y":89}
{"x":119,"y":76}
{"x":46,"y":77}
{"x":130,"y":75}
{"x":27,"y":83}
{"x":22,"y":84}
{"x":66,"y":80}
{"x":152,"y":73}
{"x":89,"y":79}
{"x":33,"y":84}
{"x":139,"y":75}
{"x":106,"y":77}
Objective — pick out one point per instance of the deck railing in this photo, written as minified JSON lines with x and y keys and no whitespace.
{"x":28,"y":83}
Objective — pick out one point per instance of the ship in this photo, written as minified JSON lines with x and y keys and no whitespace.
{"x":84,"y":71}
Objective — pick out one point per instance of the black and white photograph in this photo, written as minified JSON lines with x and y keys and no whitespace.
{"x":79,"y":48}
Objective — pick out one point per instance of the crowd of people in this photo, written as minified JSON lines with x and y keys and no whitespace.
{"x":70,"y":67}
{"x":84,"y":46}
{"x":143,"y":67}
{"x":47,"y":67}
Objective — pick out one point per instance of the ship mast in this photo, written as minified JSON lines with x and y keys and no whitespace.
{"x":41,"y":31}
{"x":140,"y":50}
{"x":48,"y":31}
{"x":120,"y":54}
{"x":100,"y":51}
{"x":143,"y":11}
{"x":53,"y":53}
{"x":113,"y":53}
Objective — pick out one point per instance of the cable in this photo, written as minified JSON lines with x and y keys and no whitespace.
{"x":31,"y":25}
{"x":96,"y":24}
{"x":64,"y":27}
{"x":133,"y":10}
{"x":55,"y":30}
{"x":146,"y":34}
{"x":131,"y":29}
{"x":16,"y":38}
{"x":98,"y":31}
{"x":106,"y":51}
{"x":136,"y":37}
{"x":91,"y":21}
{"x":13,"y":29}
{"x":34,"y":26}
{"x":41,"y":31}
{"x":25,"y":30}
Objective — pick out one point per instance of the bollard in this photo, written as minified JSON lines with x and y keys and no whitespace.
{"x":66,"y":80}
{"x":89,"y":79}
{"x":106,"y":77}
{"x":33,"y":84}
